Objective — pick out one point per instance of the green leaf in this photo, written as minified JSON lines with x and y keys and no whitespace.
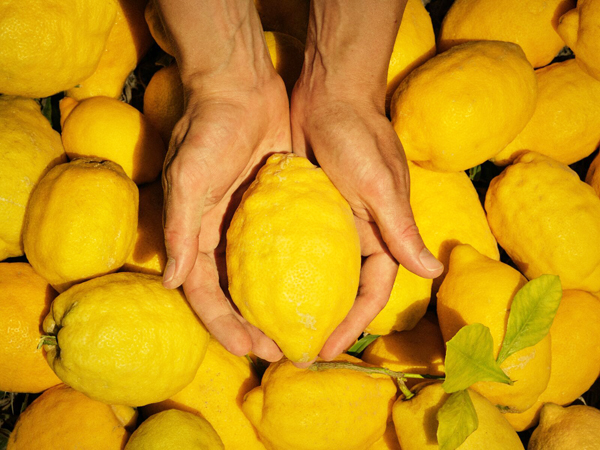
{"x":362,"y":344}
{"x":475,"y":173}
{"x":531,"y":314}
{"x":457,"y":419}
{"x":470,"y":358}
{"x":4,"y":434}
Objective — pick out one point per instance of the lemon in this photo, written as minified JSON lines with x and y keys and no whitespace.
{"x":125,"y":339}
{"x":293,"y":255}
{"x":320,"y":410}
{"x":216,"y":393}
{"x":29,"y":147}
{"x":547,"y":220}
{"x":414,"y":44}
{"x":50,"y":46}
{"x":389,"y":440}
{"x":80,"y":222}
{"x":565,"y":428}
{"x":531,"y":25}
{"x":478,"y":289}
{"x":62,"y":418}
{"x":286,"y":16}
{"x":579,"y":29}
{"x":24,"y":300}
{"x":127,"y":43}
{"x":149,"y":254}
{"x":103,"y":127}
{"x":575,"y":355}
{"x":593,"y":175}
{"x":175,"y":430}
{"x":416,"y":424}
{"x":566,"y":122}
{"x":463,"y":106}
{"x":420,"y":350}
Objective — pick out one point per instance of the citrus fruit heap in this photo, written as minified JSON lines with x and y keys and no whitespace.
{"x":501,"y":138}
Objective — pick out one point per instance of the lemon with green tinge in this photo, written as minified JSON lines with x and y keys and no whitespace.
{"x":124,"y":339}
{"x":175,"y":430}
{"x":80,"y":222}
{"x":579,"y":29}
{"x":478,"y":289}
{"x":566,"y":122}
{"x":547,"y":220}
{"x":530,"y":24}
{"x":293,"y":256}
{"x":50,"y":46}
{"x":463,"y":106}
{"x":29,"y":147}
{"x":575,"y":427}
{"x":304,"y":409}
{"x":416,"y":423}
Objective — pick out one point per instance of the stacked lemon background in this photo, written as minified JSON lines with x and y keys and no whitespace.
{"x":497,"y":104}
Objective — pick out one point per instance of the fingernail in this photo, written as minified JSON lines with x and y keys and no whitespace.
{"x":429,"y":261}
{"x":169,"y":271}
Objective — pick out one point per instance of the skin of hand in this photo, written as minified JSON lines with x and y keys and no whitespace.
{"x":236,"y":115}
{"x":338,"y":119}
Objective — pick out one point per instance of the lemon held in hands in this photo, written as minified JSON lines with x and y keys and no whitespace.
{"x":293,"y":256}
{"x":124,"y":339}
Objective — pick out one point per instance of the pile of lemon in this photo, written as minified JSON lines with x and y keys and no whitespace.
{"x":119,"y":362}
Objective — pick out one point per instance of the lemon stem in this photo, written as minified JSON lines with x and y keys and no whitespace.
{"x":47,"y":339}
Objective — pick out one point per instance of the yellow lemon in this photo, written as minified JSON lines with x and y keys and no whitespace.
{"x":65,"y":419}
{"x":576,"y":427}
{"x":29,"y":147}
{"x":478,"y":289}
{"x":414,"y":44}
{"x":566,"y":122}
{"x":330,"y":409}
{"x":531,"y":25}
{"x":103,"y":127}
{"x":216,"y":393}
{"x":50,"y":46}
{"x":293,"y":255}
{"x":579,"y":29}
{"x":547,"y":220}
{"x":575,"y":355}
{"x":127,"y":42}
{"x":593,"y":175}
{"x":157,"y":28}
{"x":80,"y":222}
{"x":416,"y":423}
{"x":286,"y":16}
{"x":124,"y":339}
{"x":25,"y":299}
{"x":418,"y":351}
{"x":389,"y":440}
{"x":149,"y":254}
{"x":175,"y":430}
{"x":463,"y":106}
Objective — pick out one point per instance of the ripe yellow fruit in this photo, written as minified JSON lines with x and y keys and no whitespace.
{"x":80,"y":222}
{"x":48,"y":47}
{"x":547,"y":220}
{"x":149,"y":254}
{"x":286,"y":16}
{"x":106,"y":128}
{"x":575,"y":355}
{"x":65,"y":419}
{"x":579,"y":29}
{"x":415,"y":44}
{"x":565,"y":428}
{"x":593,"y":175}
{"x":420,"y":350}
{"x":157,"y":29}
{"x":389,"y":440}
{"x":531,"y":25}
{"x":293,"y":256}
{"x":302,"y":409}
{"x":174,"y":429}
{"x":25,"y":299}
{"x":463,"y":106}
{"x":287,"y":56}
{"x":416,"y":423}
{"x":124,"y":339}
{"x":566,"y":122}
{"x":216,"y":393}
{"x":29,"y":147}
{"x":448,"y":212}
{"x":478,"y":289}
{"x":127,"y":43}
